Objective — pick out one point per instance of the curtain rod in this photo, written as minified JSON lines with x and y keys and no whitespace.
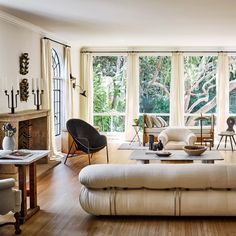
{"x":87,"y":51}
{"x":57,"y":42}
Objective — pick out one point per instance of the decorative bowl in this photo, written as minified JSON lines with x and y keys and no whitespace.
{"x":194,"y":150}
{"x":163,"y":153}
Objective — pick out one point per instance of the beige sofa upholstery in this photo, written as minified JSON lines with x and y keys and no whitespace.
{"x":10,"y":200}
{"x":159,"y":189}
{"x":176,"y":138}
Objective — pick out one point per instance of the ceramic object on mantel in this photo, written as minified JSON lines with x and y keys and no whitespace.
{"x":8,"y":143}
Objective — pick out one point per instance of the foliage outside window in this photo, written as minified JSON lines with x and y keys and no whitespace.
{"x":154,"y":85}
{"x":200,"y":86}
{"x":109,"y":92}
{"x":232,"y":85}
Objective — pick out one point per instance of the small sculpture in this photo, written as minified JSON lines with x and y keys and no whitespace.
{"x":230,"y":123}
{"x":24,"y":63}
{"x":151,"y":142}
{"x":24,"y":90}
{"x":160,"y":145}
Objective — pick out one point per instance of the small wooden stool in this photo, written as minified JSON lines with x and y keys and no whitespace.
{"x":226,"y":135}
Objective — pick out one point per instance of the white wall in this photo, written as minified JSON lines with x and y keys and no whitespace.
{"x":14,"y":40}
{"x":75,"y":62}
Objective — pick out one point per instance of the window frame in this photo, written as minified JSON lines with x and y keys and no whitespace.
{"x":57,"y":91}
{"x":111,"y":114}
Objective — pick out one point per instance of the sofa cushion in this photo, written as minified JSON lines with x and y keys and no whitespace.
{"x":164,"y":176}
{"x":175,"y":145}
{"x":156,"y":122}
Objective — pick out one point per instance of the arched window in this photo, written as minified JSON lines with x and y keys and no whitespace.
{"x":57,"y":91}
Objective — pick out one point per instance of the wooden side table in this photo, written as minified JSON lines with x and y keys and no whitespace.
{"x":226,"y":135}
{"x":26,"y":212}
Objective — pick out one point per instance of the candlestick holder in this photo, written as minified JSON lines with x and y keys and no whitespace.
{"x":12,"y":103}
{"x":37,"y":98}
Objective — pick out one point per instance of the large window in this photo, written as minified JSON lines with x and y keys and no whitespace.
{"x":154,"y":85}
{"x":109,"y":92}
{"x":232,"y":85}
{"x":57,"y":92}
{"x":200,"y":86}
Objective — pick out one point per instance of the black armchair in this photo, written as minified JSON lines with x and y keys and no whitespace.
{"x":85,"y":138}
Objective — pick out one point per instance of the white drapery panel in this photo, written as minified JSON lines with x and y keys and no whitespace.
{"x":69,"y":104}
{"x":222,"y":92}
{"x":177,"y":90}
{"x":132,"y":94}
{"x":86,"y":82}
{"x":48,"y":90}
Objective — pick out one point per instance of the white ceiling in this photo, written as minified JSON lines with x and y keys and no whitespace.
{"x":171,"y":23}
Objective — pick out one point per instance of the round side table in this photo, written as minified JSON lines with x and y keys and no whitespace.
{"x":226,"y":135}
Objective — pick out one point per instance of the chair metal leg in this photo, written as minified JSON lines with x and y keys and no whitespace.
{"x":68,"y":152}
{"x":107,"y":154}
{"x":89,"y":158}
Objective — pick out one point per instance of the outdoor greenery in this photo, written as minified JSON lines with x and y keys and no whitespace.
{"x":232,"y":84}
{"x":109,"y":86}
{"x":200,"y":86}
{"x":110,"y":76}
{"x":154,"y":84}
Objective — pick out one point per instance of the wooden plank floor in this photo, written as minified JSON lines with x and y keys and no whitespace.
{"x":61,"y":214}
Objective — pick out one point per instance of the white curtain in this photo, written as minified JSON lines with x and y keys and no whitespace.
{"x":222,"y":91}
{"x":86,"y":82}
{"x":48,"y":95}
{"x":69,"y":104}
{"x":177,"y":90}
{"x":132,"y":94}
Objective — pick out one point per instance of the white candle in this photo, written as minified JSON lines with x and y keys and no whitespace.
{"x":32,"y":83}
{"x":37,"y":83}
{"x":18,"y":84}
{"x":42,"y":84}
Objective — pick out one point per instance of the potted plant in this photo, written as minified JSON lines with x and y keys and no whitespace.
{"x":8,"y":142}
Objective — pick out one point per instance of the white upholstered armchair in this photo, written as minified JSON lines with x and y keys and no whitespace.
{"x":177,"y":137}
{"x":10,"y":200}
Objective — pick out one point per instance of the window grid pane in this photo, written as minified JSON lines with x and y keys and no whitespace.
{"x":109,"y":89}
{"x":57,"y":86}
{"x":154,"y":84}
{"x":200,"y":86}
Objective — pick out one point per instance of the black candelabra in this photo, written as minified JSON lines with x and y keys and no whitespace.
{"x":12,"y":99}
{"x":37,"y":97}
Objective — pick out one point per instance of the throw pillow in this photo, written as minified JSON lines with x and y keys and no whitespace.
{"x":148,"y":121}
{"x":163,"y":122}
{"x":156,"y":121}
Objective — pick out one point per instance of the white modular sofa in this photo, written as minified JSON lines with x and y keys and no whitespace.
{"x":159,"y":189}
{"x":175,"y":138}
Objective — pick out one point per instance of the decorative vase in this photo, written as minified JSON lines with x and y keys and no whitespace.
{"x":8,"y":143}
{"x":151,"y":141}
{"x":160,"y":145}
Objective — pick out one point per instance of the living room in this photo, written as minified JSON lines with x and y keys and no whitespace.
{"x":119,"y":67}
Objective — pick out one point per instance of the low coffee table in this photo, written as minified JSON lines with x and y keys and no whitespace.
{"x":177,"y":156}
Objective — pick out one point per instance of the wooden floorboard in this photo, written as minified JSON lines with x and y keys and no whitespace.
{"x":61,"y":213}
